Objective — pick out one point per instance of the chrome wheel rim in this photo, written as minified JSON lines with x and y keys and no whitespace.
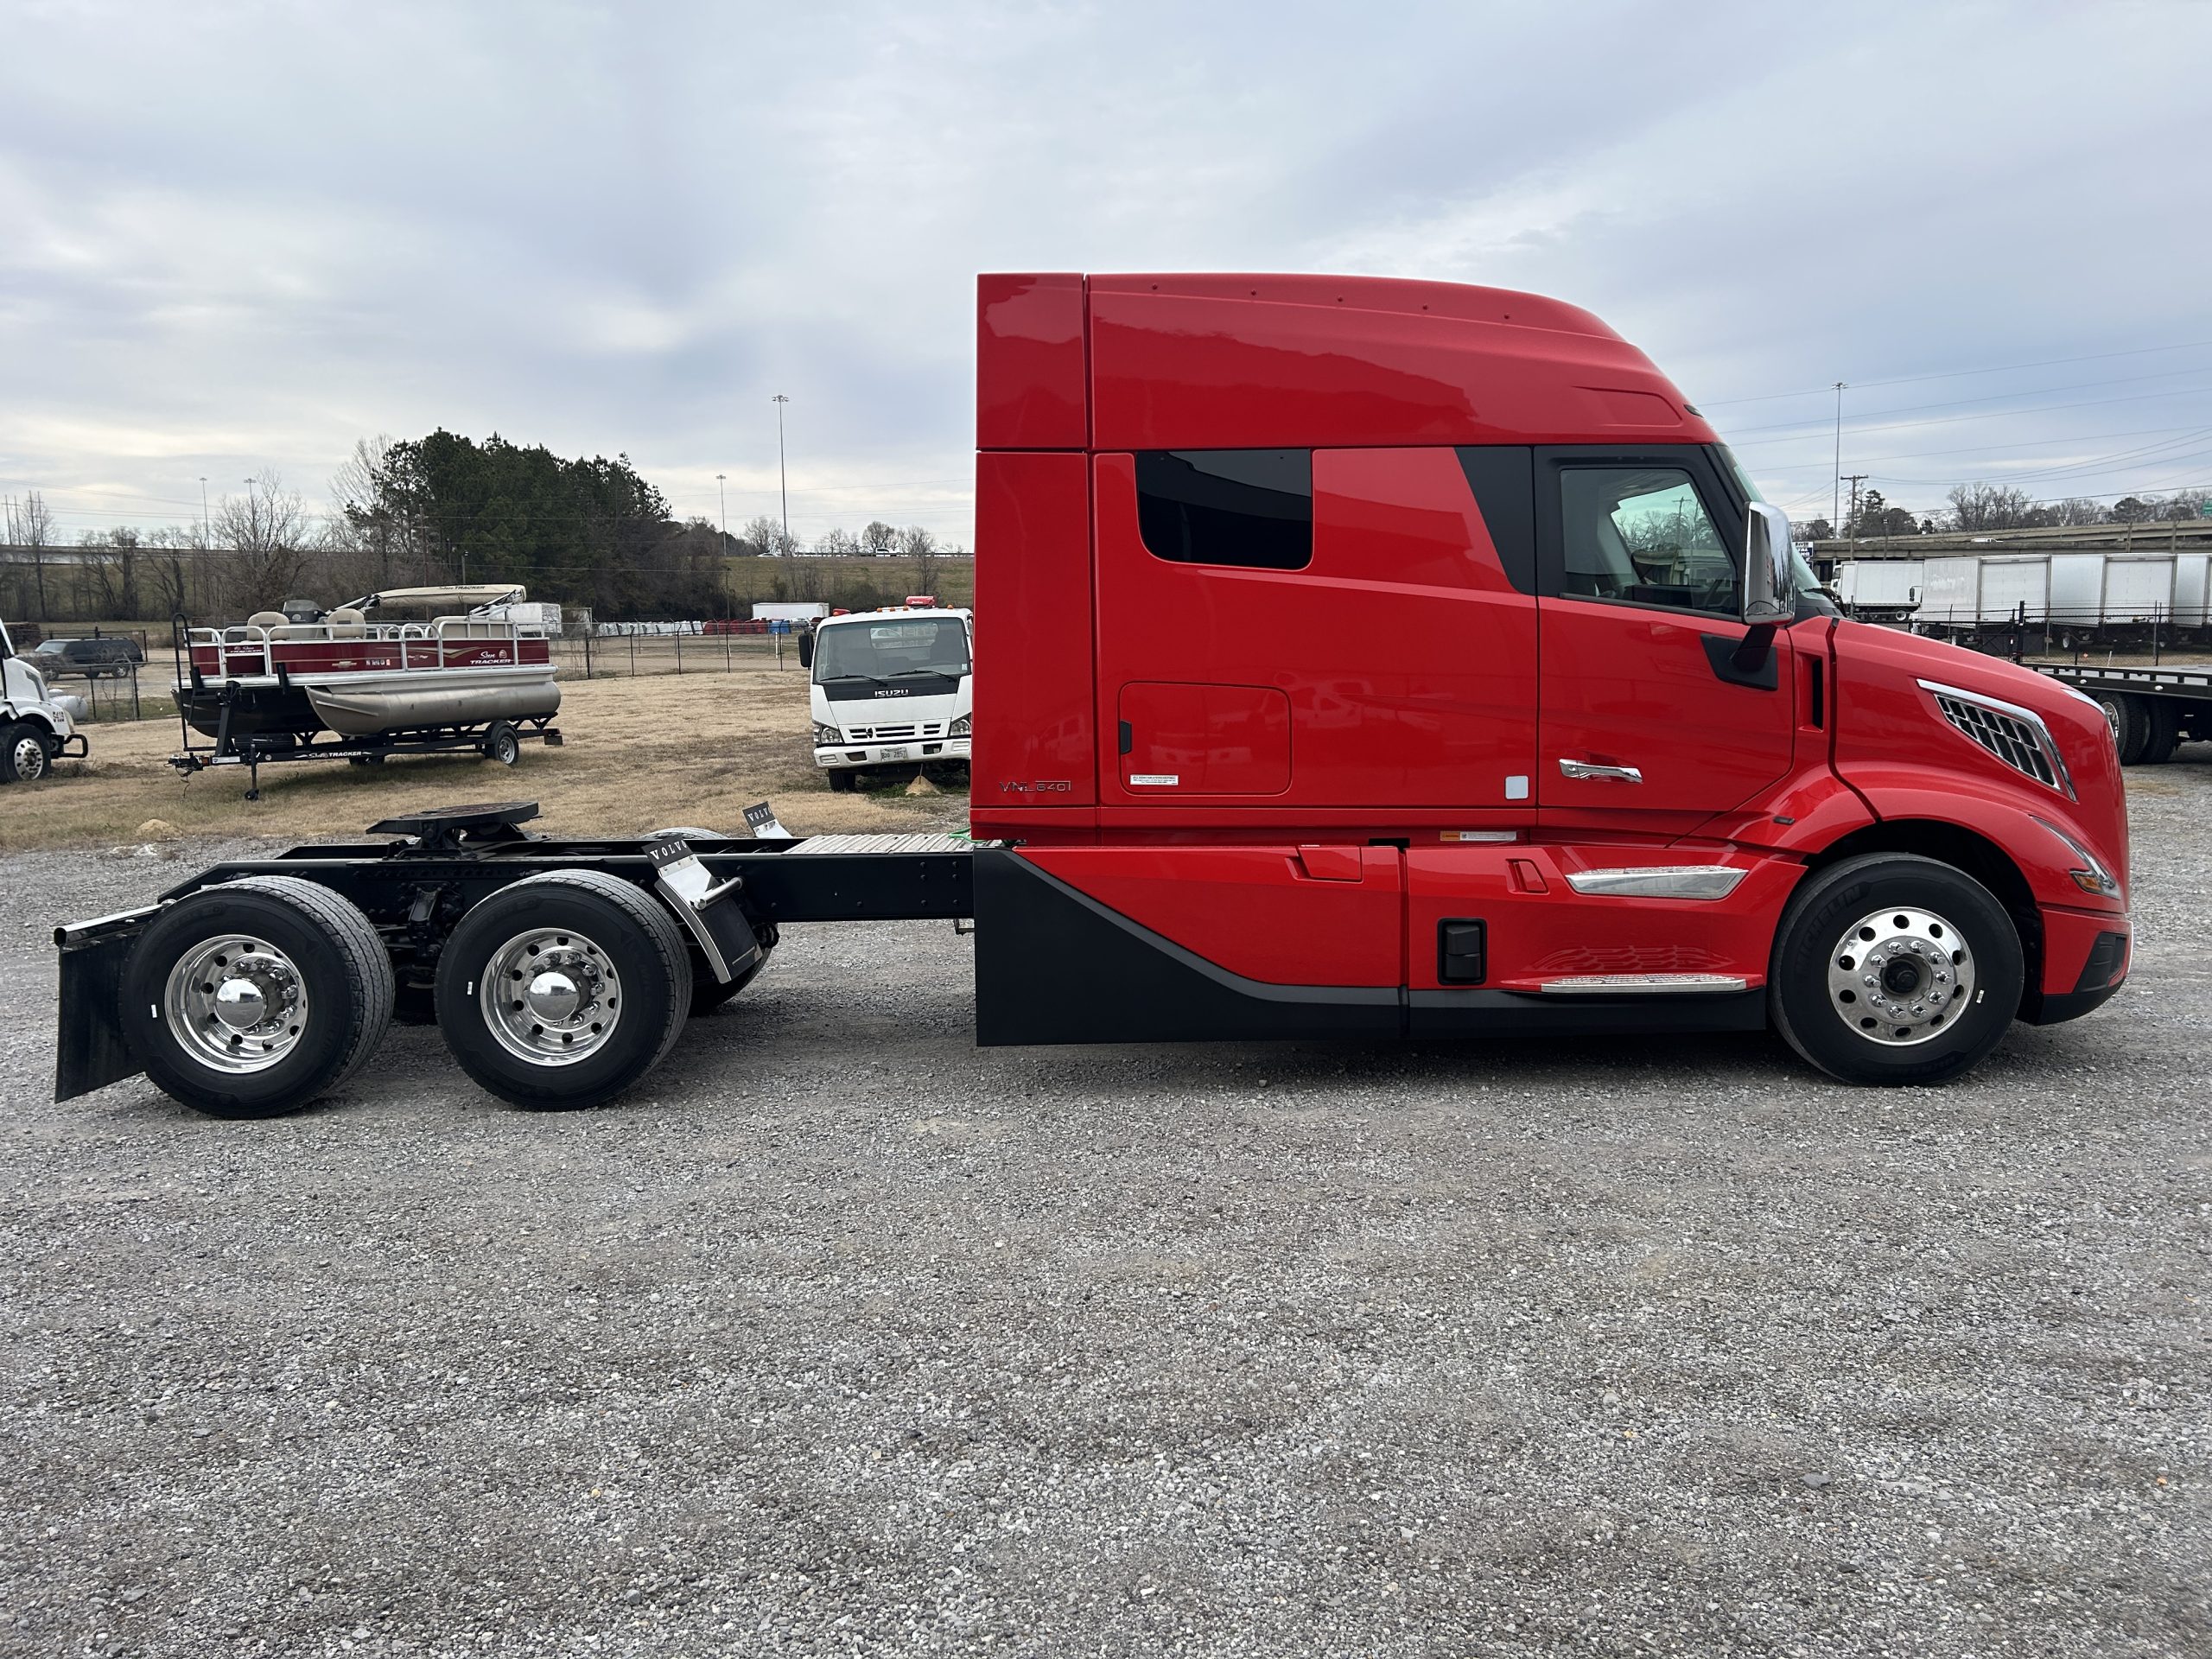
{"x":549,"y":996}
{"x":2112,"y":719}
{"x":30,"y":758}
{"x":236,"y":1004}
{"x":1900,"y":976}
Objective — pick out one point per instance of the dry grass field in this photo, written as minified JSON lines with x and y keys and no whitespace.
{"x":640,"y":754}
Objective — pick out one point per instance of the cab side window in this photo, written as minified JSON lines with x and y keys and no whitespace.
{"x":1642,"y":535}
{"x":1252,"y":507}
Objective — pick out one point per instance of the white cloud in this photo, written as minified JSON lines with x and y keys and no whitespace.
{"x":256,"y":232}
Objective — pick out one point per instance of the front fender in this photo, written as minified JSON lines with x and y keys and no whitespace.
{"x":1906,"y":792}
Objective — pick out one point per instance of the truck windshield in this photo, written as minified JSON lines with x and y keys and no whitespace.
{"x":888,"y":649}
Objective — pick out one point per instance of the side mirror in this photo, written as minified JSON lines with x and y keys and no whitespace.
{"x":1770,"y":597}
{"x":806,"y":648}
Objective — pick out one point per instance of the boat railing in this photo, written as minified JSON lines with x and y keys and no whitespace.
{"x":421,"y":645}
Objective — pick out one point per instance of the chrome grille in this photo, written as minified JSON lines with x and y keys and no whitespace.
{"x":2014,"y":736}
{"x":894,"y":733}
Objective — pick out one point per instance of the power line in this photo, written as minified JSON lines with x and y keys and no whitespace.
{"x":1961,"y":374}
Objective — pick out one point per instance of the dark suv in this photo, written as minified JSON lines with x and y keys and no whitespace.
{"x":91,"y":657}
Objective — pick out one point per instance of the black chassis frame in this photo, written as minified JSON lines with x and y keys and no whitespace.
{"x":1052,"y":965}
{"x":414,"y":891}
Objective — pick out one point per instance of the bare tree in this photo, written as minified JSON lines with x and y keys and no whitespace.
{"x":918,"y":544}
{"x":1992,"y":506}
{"x":769,"y":536}
{"x":839,"y":544}
{"x":879,"y":537}
{"x":265,"y":531}
{"x":113,"y":558}
{"x":176,"y":555}
{"x":30,"y":525}
{"x":2077,"y":509}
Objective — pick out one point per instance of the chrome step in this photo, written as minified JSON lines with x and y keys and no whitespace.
{"x":1641,"y":984}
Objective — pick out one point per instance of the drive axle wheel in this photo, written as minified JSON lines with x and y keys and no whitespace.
{"x":251,"y":999}
{"x":1895,"y":968}
{"x":23,"y":756}
{"x":563,"y":989}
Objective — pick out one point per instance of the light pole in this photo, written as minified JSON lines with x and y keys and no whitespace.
{"x":1835,"y":495}
{"x":783,"y":479}
{"x":205,"y":533}
{"x":722,"y":491}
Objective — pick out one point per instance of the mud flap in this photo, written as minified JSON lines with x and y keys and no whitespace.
{"x":88,"y":1049}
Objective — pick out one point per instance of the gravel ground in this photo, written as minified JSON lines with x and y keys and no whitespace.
{"x":842,"y":1337}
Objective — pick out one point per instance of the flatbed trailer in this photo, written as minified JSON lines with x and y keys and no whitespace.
{"x":498,"y":741}
{"x":2150,"y":711}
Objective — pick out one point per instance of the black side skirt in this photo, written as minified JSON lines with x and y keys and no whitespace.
{"x":1053,"y":965}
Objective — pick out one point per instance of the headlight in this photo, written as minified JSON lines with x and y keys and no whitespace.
{"x":827,"y":733}
{"x":2094,"y":879}
{"x":961,"y":727}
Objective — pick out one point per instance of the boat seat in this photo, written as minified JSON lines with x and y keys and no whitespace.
{"x":347,"y":623}
{"x":267,"y":619}
{"x":298,"y":630}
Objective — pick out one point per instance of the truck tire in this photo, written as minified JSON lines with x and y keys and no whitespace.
{"x":841,"y":780}
{"x":561,"y":990}
{"x":1893,"y":968}
{"x":2163,"y":735}
{"x":501,"y":745}
{"x":2130,"y":722}
{"x":253,"y":998}
{"x":24,"y":757}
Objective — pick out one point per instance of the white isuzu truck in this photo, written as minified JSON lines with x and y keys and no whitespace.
{"x":36,"y":727}
{"x":891,"y":692}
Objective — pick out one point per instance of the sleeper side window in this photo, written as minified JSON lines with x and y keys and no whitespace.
{"x":1640,"y":534}
{"x":1251,"y":507}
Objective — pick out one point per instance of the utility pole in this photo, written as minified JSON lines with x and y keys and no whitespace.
{"x":1835,"y":495}
{"x":1855,"y":480}
{"x":205,"y":534}
{"x":783,"y":480}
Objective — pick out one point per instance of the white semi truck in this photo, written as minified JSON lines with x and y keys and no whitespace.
{"x":891,"y":693}
{"x":36,"y":727}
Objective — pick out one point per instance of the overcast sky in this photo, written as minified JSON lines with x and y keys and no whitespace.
{"x":236,"y":236}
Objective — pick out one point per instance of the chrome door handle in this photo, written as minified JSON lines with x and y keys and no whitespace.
{"x":1584,"y":769}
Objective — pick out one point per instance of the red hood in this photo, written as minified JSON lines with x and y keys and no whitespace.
{"x":1884,"y":709}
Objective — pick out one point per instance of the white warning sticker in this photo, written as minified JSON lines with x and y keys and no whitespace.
{"x":1155,"y":779}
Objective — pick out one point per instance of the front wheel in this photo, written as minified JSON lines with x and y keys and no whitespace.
{"x":841,"y":781}
{"x":1894,"y":969}
{"x":23,"y":756}
{"x":563,"y":989}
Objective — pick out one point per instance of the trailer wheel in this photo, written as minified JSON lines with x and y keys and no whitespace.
{"x":563,"y":989}
{"x":2164,"y":734}
{"x":1894,"y":969}
{"x":253,"y":998}
{"x":2130,"y":722}
{"x":501,"y":744}
{"x":23,"y":757}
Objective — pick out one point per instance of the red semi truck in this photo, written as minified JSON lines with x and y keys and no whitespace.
{"x":1365,"y":658}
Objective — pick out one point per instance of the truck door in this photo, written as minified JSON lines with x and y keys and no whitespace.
{"x":1646,"y":722}
{"x":1288,"y":632}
